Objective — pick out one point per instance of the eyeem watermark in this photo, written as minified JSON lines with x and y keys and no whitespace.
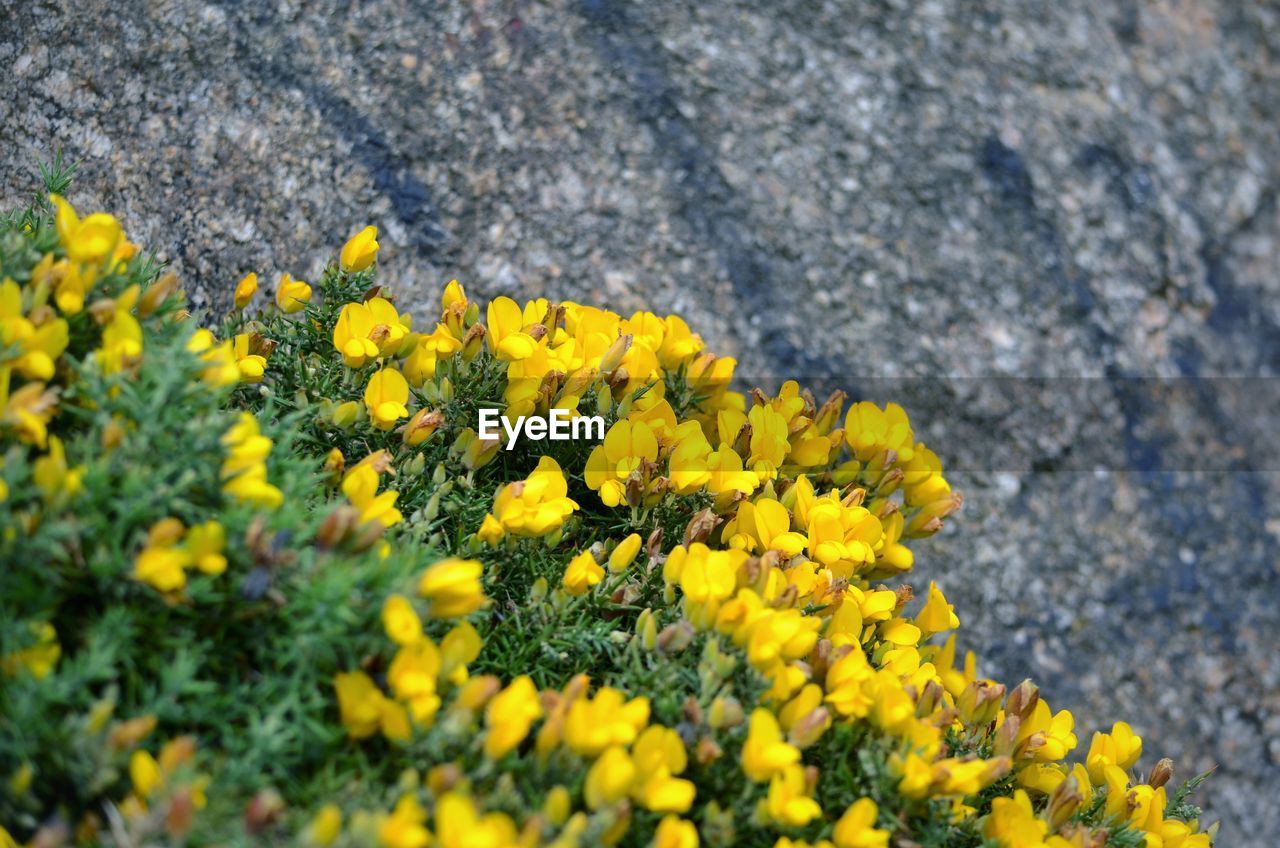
{"x":558,"y":426}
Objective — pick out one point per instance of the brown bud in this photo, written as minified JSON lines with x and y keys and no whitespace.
{"x":112,"y":435}
{"x":126,"y":734}
{"x":653,"y":547}
{"x":810,"y":779}
{"x":260,"y":345}
{"x":263,"y":810}
{"x":182,"y":812}
{"x":674,"y":638}
{"x":929,"y":699}
{"x":1161,"y":774}
{"x":336,"y":526}
{"x":903,"y":595}
{"x":442,"y":778}
{"x":102,"y":310}
{"x":1063,"y":802}
{"x":1023,"y":699}
{"x":1006,"y":738}
{"x":422,"y":426}
{"x":810,"y":727}
{"x":979,"y":702}
{"x":701,"y":526}
{"x":853,"y":496}
{"x":707,"y":751}
{"x":618,"y":379}
{"x":156,"y":294}
{"x":692,"y":711}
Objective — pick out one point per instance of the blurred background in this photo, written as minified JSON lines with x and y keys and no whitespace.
{"x":1049,"y":228}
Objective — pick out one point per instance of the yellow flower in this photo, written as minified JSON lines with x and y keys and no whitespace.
{"x":857,"y":827}
{"x":413,"y":676}
{"x":453,"y":587}
{"x":536,"y":505}
{"x":144,"y":774}
{"x":326,"y":826}
{"x":52,"y":476}
{"x":626,"y":446}
{"x":937,"y":615}
{"x":360,"y":251}
{"x":163,"y":562}
{"x":91,"y":240}
{"x":385,"y":397}
{"x":245,"y":290}
{"x":609,"y":778}
{"x":871,"y":431}
{"x":788,"y":801}
{"x":422,"y":426}
{"x":364,"y":709}
{"x":659,"y":755}
{"x":582,"y":573}
{"x":1013,"y":822}
{"x":361,"y":488}
{"x":594,"y":724}
{"x":39,"y":346}
{"x":365,"y":331}
{"x":506,"y":337}
{"x":251,"y":365}
{"x":765,"y":754}
{"x":204,"y":544}
{"x":292,"y":295}
{"x":401,"y":621}
{"x":121,"y":343}
{"x":459,"y":825}
{"x":1046,"y":737}
{"x":244,"y":472}
{"x":40,"y":658}
{"x":673,"y":832}
{"x":509,"y":716}
{"x":625,"y":553}
{"x":1121,"y":747}
{"x":405,"y":827}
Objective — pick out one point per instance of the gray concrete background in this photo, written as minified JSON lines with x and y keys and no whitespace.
{"x":926,"y":200}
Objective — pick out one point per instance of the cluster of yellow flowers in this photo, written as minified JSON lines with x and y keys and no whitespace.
{"x":673,"y":637}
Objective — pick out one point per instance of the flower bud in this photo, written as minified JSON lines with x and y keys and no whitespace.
{"x":624,"y":554}
{"x":155,"y":295}
{"x":1022,"y":700}
{"x":810,"y":727}
{"x":422,"y":426}
{"x":346,"y":414}
{"x":473,"y":342}
{"x":336,"y":526}
{"x":707,"y":751}
{"x":245,"y":290}
{"x":725,"y":713}
{"x":979,"y":702}
{"x":615,"y":353}
{"x":647,"y":630}
{"x":1063,"y":803}
{"x":674,"y":638}
{"x":1005,"y":740}
{"x":700,"y":526}
{"x":1161,"y":774}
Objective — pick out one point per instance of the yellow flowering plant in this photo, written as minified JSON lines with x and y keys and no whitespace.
{"x":265,"y":581}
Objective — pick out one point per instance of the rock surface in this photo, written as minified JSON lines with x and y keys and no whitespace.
{"x":1051,"y":228}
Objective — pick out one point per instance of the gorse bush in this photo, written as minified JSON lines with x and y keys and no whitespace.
{"x":263,"y":580}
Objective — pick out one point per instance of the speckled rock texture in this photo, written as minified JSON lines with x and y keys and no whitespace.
{"x":1050,"y":227}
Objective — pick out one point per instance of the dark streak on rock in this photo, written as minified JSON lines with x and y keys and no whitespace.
{"x":388,"y":169}
{"x":703,"y":198}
